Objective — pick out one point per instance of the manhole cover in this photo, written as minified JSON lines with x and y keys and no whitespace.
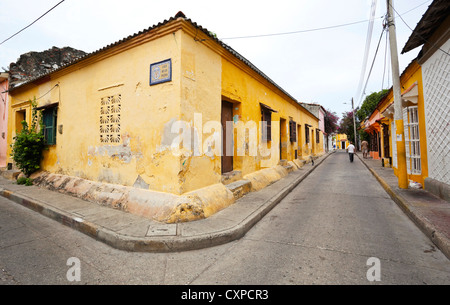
{"x":162,"y":230}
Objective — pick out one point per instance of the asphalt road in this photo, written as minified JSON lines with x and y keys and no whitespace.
{"x":337,"y":227}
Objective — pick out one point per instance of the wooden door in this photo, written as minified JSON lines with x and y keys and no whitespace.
{"x":283,"y":139}
{"x":227,"y":138}
{"x":386,"y":141}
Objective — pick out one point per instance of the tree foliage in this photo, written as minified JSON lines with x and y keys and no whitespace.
{"x":331,"y":121}
{"x":346,"y":126}
{"x":29,"y":144}
{"x":369,"y":104}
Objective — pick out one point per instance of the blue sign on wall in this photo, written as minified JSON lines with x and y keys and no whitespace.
{"x":161,"y":72}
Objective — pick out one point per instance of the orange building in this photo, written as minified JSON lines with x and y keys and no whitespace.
{"x":373,"y":127}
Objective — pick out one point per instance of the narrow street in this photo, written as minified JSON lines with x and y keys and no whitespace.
{"x":324,"y":232}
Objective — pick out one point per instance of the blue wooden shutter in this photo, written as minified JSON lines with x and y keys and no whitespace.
{"x":50,"y":126}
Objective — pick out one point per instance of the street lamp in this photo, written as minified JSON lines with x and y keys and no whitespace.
{"x":354,"y":122}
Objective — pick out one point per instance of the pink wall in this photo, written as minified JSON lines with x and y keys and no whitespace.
{"x":3,"y":117}
{"x":321,"y":119}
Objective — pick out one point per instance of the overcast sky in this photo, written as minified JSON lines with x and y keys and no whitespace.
{"x":321,"y":67}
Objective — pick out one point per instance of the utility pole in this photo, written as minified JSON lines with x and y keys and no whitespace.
{"x":398,"y":112}
{"x":354,"y":122}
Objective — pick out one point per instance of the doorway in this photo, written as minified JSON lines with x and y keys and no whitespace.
{"x":283,"y":139}
{"x":386,"y":141}
{"x":227,"y":137}
{"x":20,"y":117}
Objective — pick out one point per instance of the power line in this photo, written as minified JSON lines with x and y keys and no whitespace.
{"x":386,"y":51}
{"x":31,"y":23}
{"x":414,"y":8}
{"x":376,"y":52}
{"x":367,"y":48}
{"x":370,"y":71}
{"x":434,"y":45}
{"x":315,"y":29}
{"x":297,"y":32}
{"x":239,"y":37}
{"x":20,"y":100}
{"x":385,"y":63}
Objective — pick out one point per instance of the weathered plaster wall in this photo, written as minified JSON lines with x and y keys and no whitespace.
{"x":200,"y":103}
{"x":171,"y":183}
{"x":246,"y":91}
{"x":142,"y":156}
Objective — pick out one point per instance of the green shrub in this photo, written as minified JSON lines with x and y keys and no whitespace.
{"x":29,"y":144}
{"x":24,"y":180}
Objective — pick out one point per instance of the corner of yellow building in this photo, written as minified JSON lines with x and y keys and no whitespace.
{"x":114,"y":126}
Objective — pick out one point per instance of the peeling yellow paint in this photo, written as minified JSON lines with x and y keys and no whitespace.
{"x":203,"y":75}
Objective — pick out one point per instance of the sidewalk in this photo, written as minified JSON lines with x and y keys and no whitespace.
{"x":430,"y":213}
{"x":129,"y":232}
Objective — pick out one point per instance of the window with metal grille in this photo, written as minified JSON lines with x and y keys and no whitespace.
{"x":374,"y":141}
{"x":412,"y":140}
{"x":317,"y":136}
{"x":307,"y":133}
{"x":266,"y":118}
{"x":394,"y":144}
{"x":49,"y":120}
{"x":293,"y":131}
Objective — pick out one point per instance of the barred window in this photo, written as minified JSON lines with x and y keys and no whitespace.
{"x":266,"y":119}
{"x":412,"y":140}
{"x":307,"y":133}
{"x":293,"y":131}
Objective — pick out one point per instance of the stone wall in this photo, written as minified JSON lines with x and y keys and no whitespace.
{"x":33,"y":64}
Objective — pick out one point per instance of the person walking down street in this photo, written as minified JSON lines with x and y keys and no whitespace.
{"x":365,"y":148}
{"x":351,"y":151}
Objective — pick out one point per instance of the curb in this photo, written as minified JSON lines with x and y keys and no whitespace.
{"x":442,"y":242}
{"x":157,"y":244}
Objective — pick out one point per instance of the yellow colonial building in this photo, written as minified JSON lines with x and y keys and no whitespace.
{"x":413,"y":121}
{"x":147,"y":113}
{"x":341,"y":141}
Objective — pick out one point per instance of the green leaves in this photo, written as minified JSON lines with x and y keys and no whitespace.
{"x":26,"y":181}
{"x":369,"y":104}
{"x":29,"y":144}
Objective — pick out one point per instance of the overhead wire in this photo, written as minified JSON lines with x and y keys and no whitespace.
{"x":370,"y":71}
{"x":421,"y":37}
{"x":368,"y":37}
{"x":297,"y":32}
{"x":31,"y":23}
{"x":385,"y":62}
{"x":415,"y":7}
{"x":240,"y":37}
{"x":367,"y":48}
{"x":386,"y":51}
{"x":38,"y":98}
{"x":317,"y":29}
{"x":389,"y":66}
